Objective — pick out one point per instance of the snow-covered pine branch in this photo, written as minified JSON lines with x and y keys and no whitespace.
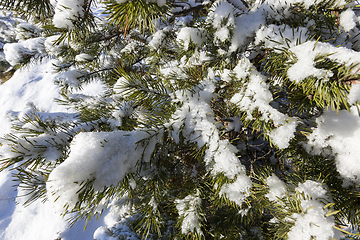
{"x":221,"y":119}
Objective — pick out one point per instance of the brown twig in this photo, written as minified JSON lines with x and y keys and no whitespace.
{"x":126,"y":25}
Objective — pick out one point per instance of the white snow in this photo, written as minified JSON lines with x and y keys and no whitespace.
{"x":222,"y":34}
{"x":306,"y":54}
{"x":102,"y":233}
{"x":257,"y":96}
{"x":281,"y":135}
{"x":7,"y":197}
{"x":66,"y":11}
{"x":238,"y":190}
{"x":39,"y":221}
{"x":277,"y":188}
{"x":105,"y":157}
{"x":187,"y":208}
{"x":83,"y":57}
{"x":348,"y":19}
{"x":15,"y":53}
{"x":341,"y":132}
{"x":354,"y":94}
{"x":221,"y":155}
{"x":34,"y":84}
{"x":283,"y":4}
{"x":70,"y":78}
{"x":274,"y":36}
{"x":221,"y":11}
{"x":50,"y":47}
{"x":157,"y":39}
{"x":130,"y":48}
{"x":189,"y":34}
{"x":117,"y":220}
{"x":25,"y":31}
{"x":312,"y":222}
{"x":246,"y":26}
{"x":304,"y":67}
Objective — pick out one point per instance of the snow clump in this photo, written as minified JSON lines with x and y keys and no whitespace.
{"x":273,"y":36}
{"x":189,"y":34}
{"x":15,"y":53}
{"x":104,"y":157}
{"x":277,"y":188}
{"x":281,"y":135}
{"x":66,"y":11}
{"x":187,"y":209}
{"x":348,"y":20}
{"x":305,"y":60}
{"x":341,"y":132}
{"x":312,"y":222}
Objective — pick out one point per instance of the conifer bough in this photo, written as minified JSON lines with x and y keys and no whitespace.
{"x":221,"y":119}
